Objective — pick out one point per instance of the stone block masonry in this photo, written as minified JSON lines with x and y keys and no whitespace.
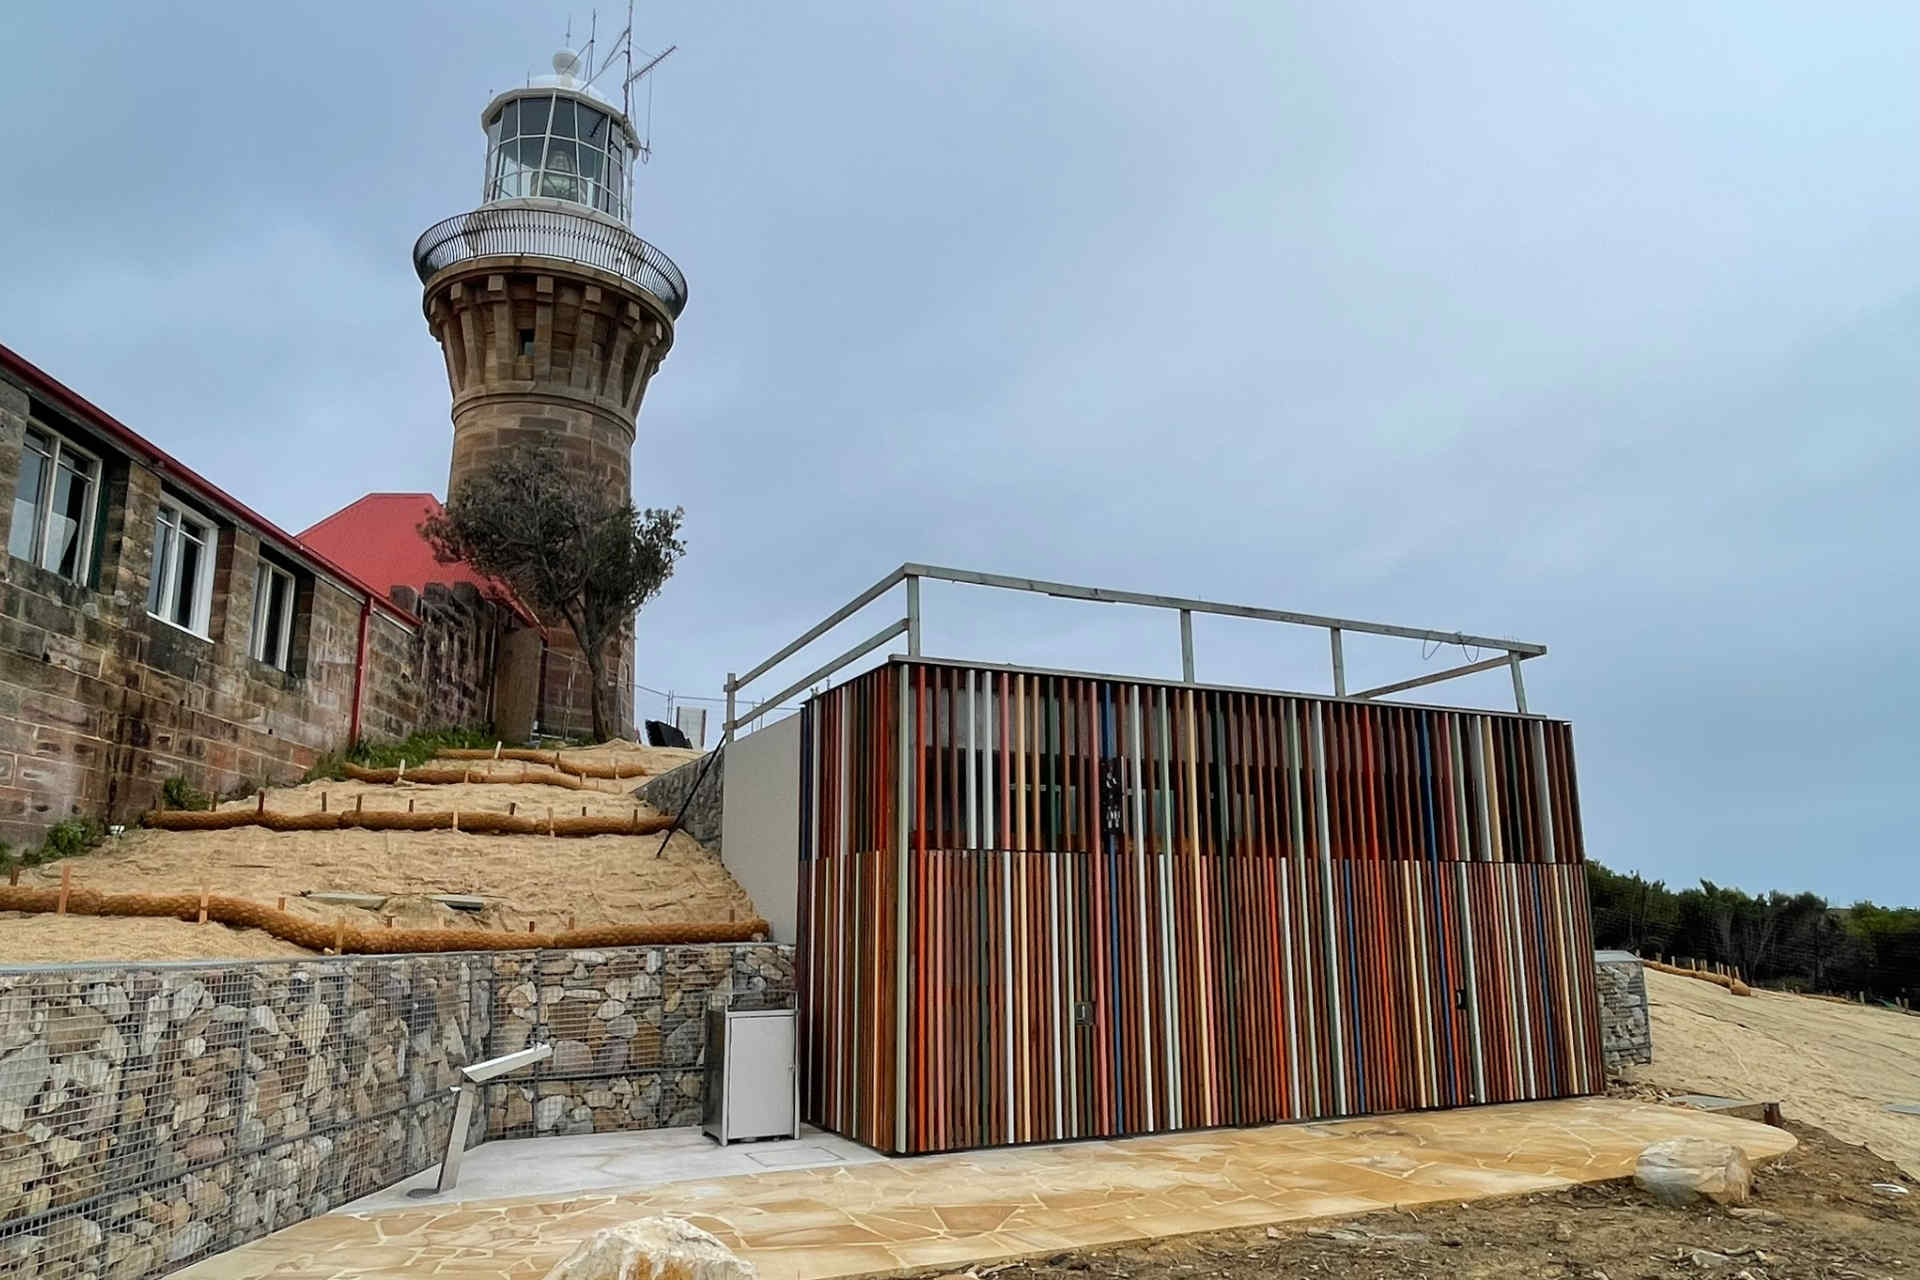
{"x":701,"y":797}
{"x":101,"y":701}
{"x":153,"y":1115}
{"x":1626,"y":1033}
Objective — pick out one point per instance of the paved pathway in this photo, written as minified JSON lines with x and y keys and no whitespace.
{"x":946,"y":1211}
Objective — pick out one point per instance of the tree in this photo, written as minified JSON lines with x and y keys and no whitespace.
{"x":568,"y":545}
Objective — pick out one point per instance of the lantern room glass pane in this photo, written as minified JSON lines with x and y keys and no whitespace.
{"x":563,"y":117}
{"x":593,"y":126}
{"x":533,"y":116}
{"x":510,"y":120}
{"x":560,"y":180}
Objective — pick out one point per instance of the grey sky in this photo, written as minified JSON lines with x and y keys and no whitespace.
{"x":1595,"y":325}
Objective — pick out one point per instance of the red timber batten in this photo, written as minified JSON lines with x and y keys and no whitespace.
{"x":1134,"y":907}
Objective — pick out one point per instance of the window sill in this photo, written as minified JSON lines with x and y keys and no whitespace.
{"x":49,"y":577}
{"x":171,"y":625}
{"x":267,"y":671}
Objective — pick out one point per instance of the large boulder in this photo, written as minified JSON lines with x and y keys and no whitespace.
{"x":651,"y":1249}
{"x":1679,"y":1171}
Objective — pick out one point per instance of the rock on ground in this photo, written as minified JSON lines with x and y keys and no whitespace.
{"x":651,"y":1249}
{"x":1679,"y":1171}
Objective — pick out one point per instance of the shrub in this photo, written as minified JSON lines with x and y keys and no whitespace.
{"x":69,"y":837}
{"x":414,"y":750}
{"x":181,"y":794}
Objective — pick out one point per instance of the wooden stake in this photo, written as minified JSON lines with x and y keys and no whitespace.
{"x":281,"y":905}
{"x":456,"y":819}
{"x":389,"y":920}
{"x":549,"y":819}
{"x":262,"y":806}
{"x":323,"y":802}
{"x":409,"y":804}
{"x":529,"y":926}
{"x":496,"y":753}
{"x":512,"y":807}
{"x":360,"y":802}
{"x":583,"y":811}
{"x":66,"y":885}
{"x":569,"y":922}
{"x":339,"y":935}
{"x":13,"y":875}
{"x":203,"y":905}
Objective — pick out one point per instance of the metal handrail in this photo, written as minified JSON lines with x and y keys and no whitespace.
{"x":550,"y":233}
{"x":1511,"y":652}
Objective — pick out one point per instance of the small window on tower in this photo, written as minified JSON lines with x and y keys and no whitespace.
{"x":526,"y":342}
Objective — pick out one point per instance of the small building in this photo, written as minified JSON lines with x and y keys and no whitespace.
{"x":1034,"y":905}
{"x":153,"y":626}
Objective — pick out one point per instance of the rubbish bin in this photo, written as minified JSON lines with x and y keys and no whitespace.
{"x":753,"y":1075}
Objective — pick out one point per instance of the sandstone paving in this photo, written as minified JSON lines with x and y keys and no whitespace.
{"x":973,"y":1207}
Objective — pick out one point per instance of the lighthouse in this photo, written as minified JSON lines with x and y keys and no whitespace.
{"x":551,"y":313}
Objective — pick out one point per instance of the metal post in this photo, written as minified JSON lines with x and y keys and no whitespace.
{"x":456,"y":1138}
{"x":727,"y":735}
{"x":913,"y":616}
{"x":1519,"y":686}
{"x":1186,"y":645}
{"x":1339,"y":664}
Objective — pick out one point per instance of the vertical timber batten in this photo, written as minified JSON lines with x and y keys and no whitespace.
{"x":1116,"y":906}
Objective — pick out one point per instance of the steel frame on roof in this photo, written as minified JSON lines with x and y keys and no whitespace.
{"x":1512,"y":652}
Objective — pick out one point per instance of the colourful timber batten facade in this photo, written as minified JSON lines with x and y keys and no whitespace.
{"x":1038,"y":906}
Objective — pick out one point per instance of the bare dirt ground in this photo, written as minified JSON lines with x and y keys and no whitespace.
{"x":1818,"y":1219}
{"x":522,"y":879}
{"x":1829,"y":1064}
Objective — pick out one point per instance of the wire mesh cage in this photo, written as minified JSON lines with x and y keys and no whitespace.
{"x":150,"y":1116}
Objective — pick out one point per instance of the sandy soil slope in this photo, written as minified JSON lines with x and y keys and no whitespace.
{"x":521,"y":878}
{"x":1829,"y":1064}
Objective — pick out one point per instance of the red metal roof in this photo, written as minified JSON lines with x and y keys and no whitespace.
{"x":184,"y":477}
{"x":379,"y":538}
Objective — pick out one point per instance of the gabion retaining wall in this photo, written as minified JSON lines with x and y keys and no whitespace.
{"x":151,"y":1115}
{"x":1626,"y":1034}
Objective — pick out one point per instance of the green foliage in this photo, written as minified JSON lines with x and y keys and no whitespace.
{"x":181,"y":794}
{"x":414,"y":750}
{"x":69,"y":837}
{"x":1797,"y":941}
{"x":567,"y":543}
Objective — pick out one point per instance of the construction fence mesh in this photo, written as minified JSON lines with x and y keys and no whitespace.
{"x":153,"y":1115}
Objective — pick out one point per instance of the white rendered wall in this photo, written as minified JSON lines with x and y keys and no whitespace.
{"x":760,"y":821}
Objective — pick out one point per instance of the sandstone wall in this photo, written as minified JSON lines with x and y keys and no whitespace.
{"x":669,"y":791}
{"x":100,"y":703}
{"x":153,"y":1115}
{"x":459,"y":638}
{"x":1626,"y":1034}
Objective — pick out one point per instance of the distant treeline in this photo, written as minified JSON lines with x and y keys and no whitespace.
{"x":1797,"y":940}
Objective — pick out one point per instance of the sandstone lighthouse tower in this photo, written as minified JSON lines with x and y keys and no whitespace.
{"x":551,"y":313}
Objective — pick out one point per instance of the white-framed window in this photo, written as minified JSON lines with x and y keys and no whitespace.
{"x":559,"y":148}
{"x":272,"y":616}
{"x":54,"y":502}
{"x":181,"y":589}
